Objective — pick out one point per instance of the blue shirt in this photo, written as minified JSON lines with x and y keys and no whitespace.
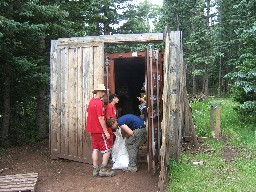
{"x":132,"y":121}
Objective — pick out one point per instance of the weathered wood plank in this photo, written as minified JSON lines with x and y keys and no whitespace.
{"x":71,"y":103}
{"x":65,"y":101}
{"x":164,"y":124}
{"x":173,"y":107}
{"x":54,"y":121}
{"x":59,"y":101}
{"x":72,"y":127}
{"x":173,"y":98}
{"x":80,"y":124}
{"x":98,"y":54}
{"x":118,"y":38}
{"x":178,"y":136}
{"x":217,"y":127}
{"x":18,"y":182}
{"x":212,"y":120}
{"x":62,"y":63}
{"x":87,"y":92}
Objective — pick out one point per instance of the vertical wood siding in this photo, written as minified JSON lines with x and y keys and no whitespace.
{"x":75,"y":70}
{"x":173,"y":102}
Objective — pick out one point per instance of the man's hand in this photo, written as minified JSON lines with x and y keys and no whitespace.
{"x":104,"y":127}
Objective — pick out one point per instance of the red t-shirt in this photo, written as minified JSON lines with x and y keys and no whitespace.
{"x":110,"y":111}
{"x":95,"y":109}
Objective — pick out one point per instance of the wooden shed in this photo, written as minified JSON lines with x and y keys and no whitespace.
{"x":80,"y":63}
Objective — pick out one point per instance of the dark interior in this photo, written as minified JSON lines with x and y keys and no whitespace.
{"x":129,"y":79}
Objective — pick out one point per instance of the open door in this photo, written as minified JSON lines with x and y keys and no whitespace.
{"x":76,"y":67}
{"x":154,"y":102}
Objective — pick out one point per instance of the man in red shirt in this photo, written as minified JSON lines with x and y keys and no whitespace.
{"x":96,"y":125}
{"x":111,"y":107}
{"x":111,"y":112}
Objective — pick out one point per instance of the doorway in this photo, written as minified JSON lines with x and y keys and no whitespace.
{"x":126,"y":77}
{"x":129,"y":83}
{"x":133,"y":75}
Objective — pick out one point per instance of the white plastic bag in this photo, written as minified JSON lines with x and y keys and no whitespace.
{"x":119,"y":152}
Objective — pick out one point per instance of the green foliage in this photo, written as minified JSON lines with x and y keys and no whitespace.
{"x":101,"y":16}
{"x":136,"y":19}
{"x":242,"y":15}
{"x":201,"y":53}
{"x":229,"y":163}
{"x":24,"y":129}
{"x":219,"y":45}
{"x":230,"y":115}
{"x":139,"y":19}
{"x":26,"y":28}
{"x":201,"y":112}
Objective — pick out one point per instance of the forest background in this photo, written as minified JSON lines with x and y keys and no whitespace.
{"x":218,"y":40}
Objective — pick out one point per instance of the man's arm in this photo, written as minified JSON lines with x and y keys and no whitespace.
{"x":127,"y":130}
{"x":104,"y":127}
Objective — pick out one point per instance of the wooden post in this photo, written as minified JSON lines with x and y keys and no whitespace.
{"x":212,"y":120}
{"x":217,"y":127}
{"x":215,"y":130}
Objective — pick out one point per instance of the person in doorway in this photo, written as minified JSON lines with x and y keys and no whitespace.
{"x":100,"y":136}
{"x":111,"y":112}
{"x":143,"y":107}
{"x":134,"y":128}
{"x":111,"y":107}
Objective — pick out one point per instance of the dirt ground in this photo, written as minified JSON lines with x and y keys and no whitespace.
{"x":64,"y":175}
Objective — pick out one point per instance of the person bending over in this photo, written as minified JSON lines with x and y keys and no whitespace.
{"x":134,"y":129}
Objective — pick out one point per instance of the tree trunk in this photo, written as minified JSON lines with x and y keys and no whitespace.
{"x":206,"y":81}
{"x":40,"y":113}
{"x":194,"y":80}
{"x":206,"y":77}
{"x":7,"y":108}
{"x":41,"y":120}
{"x":219,"y":86}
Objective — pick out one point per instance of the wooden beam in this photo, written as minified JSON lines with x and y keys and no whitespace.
{"x":217,"y":127}
{"x":19,"y":182}
{"x":212,"y":121}
{"x":119,"y":38}
{"x":126,"y":55}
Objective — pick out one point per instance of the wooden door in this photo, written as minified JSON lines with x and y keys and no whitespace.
{"x":174,"y":87}
{"x":76,"y":67}
{"x":154,"y":102}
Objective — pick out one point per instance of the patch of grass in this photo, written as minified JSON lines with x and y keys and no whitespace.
{"x":230,"y":164}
